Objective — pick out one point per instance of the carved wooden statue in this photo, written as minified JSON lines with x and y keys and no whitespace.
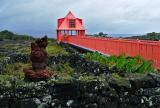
{"x":39,"y":59}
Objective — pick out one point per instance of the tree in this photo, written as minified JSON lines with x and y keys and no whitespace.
{"x":102,"y":34}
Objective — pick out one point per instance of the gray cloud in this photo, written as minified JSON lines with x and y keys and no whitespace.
{"x":38,"y":17}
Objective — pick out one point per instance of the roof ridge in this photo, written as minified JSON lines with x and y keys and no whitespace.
{"x":70,"y":15}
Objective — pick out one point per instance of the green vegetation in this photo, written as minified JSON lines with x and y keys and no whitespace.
{"x":149,"y":36}
{"x":1,"y":57}
{"x":5,"y":80}
{"x":64,"y":68}
{"x":54,"y":49}
{"x":96,"y":57}
{"x":116,"y":76}
{"x":122,"y":63}
{"x":62,"y":73}
{"x":22,"y":47}
{"x":91,"y":77}
{"x":11,"y":43}
{"x":15,"y":69}
{"x":11,"y":36}
{"x":101,"y":34}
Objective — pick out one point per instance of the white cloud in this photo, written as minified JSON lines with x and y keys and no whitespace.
{"x":38,"y":17}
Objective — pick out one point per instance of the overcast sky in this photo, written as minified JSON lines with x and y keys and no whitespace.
{"x":39,"y":17}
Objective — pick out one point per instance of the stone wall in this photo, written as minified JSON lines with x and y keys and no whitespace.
{"x":131,"y":91}
{"x":134,"y":93}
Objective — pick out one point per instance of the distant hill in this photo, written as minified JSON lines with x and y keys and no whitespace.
{"x":12,"y":36}
{"x":149,"y":36}
{"x":123,"y":35}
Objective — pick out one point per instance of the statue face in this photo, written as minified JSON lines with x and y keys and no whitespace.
{"x":43,"y":42}
{"x":38,"y":53}
{"x":34,"y":46}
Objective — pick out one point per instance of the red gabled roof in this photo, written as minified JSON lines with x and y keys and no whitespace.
{"x":63,"y":23}
{"x":70,"y":15}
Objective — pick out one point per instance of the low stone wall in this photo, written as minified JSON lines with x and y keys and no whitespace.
{"x":133,"y":92}
{"x":80,"y":63}
{"x":13,"y":58}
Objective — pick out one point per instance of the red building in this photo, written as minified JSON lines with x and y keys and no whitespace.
{"x":70,"y":26}
{"x":70,"y":30}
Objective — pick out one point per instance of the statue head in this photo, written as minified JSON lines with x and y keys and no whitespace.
{"x":42,"y":42}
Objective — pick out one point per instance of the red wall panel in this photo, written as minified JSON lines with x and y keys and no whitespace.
{"x":150,"y":50}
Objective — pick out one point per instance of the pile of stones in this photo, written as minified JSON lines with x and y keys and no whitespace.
{"x":80,"y":63}
{"x":4,"y":52}
{"x":22,"y":58}
{"x":141,"y":92}
{"x":13,"y":58}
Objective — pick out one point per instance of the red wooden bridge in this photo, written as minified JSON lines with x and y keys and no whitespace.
{"x":70,"y":30}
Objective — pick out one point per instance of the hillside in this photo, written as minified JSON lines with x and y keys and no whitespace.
{"x":149,"y":36}
{"x":12,"y":36}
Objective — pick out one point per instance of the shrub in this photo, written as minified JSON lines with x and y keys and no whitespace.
{"x":122,"y":63}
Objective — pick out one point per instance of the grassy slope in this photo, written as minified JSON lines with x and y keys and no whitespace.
{"x":122,"y":63}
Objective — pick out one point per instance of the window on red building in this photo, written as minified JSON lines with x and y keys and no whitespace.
{"x":72,"y":23}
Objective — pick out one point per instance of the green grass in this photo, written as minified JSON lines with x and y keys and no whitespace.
{"x":16,"y":47}
{"x":5,"y":80}
{"x":64,"y":72}
{"x":66,"y":68}
{"x":122,"y":63}
{"x":19,"y":45}
{"x":54,"y":49}
{"x":96,"y":57}
{"x":15,"y":69}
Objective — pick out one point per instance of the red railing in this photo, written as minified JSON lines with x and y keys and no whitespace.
{"x":149,"y":50}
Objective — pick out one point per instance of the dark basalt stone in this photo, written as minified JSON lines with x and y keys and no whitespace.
{"x":120,"y":85}
{"x":14,"y":57}
{"x":155,"y":101}
{"x":25,"y":103}
{"x":65,"y":90}
{"x":156,"y":78}
{"x":142,"y":82}
{"x":148,"y":91}
{"x":79,"y":63}
{"x":90,"y":94}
